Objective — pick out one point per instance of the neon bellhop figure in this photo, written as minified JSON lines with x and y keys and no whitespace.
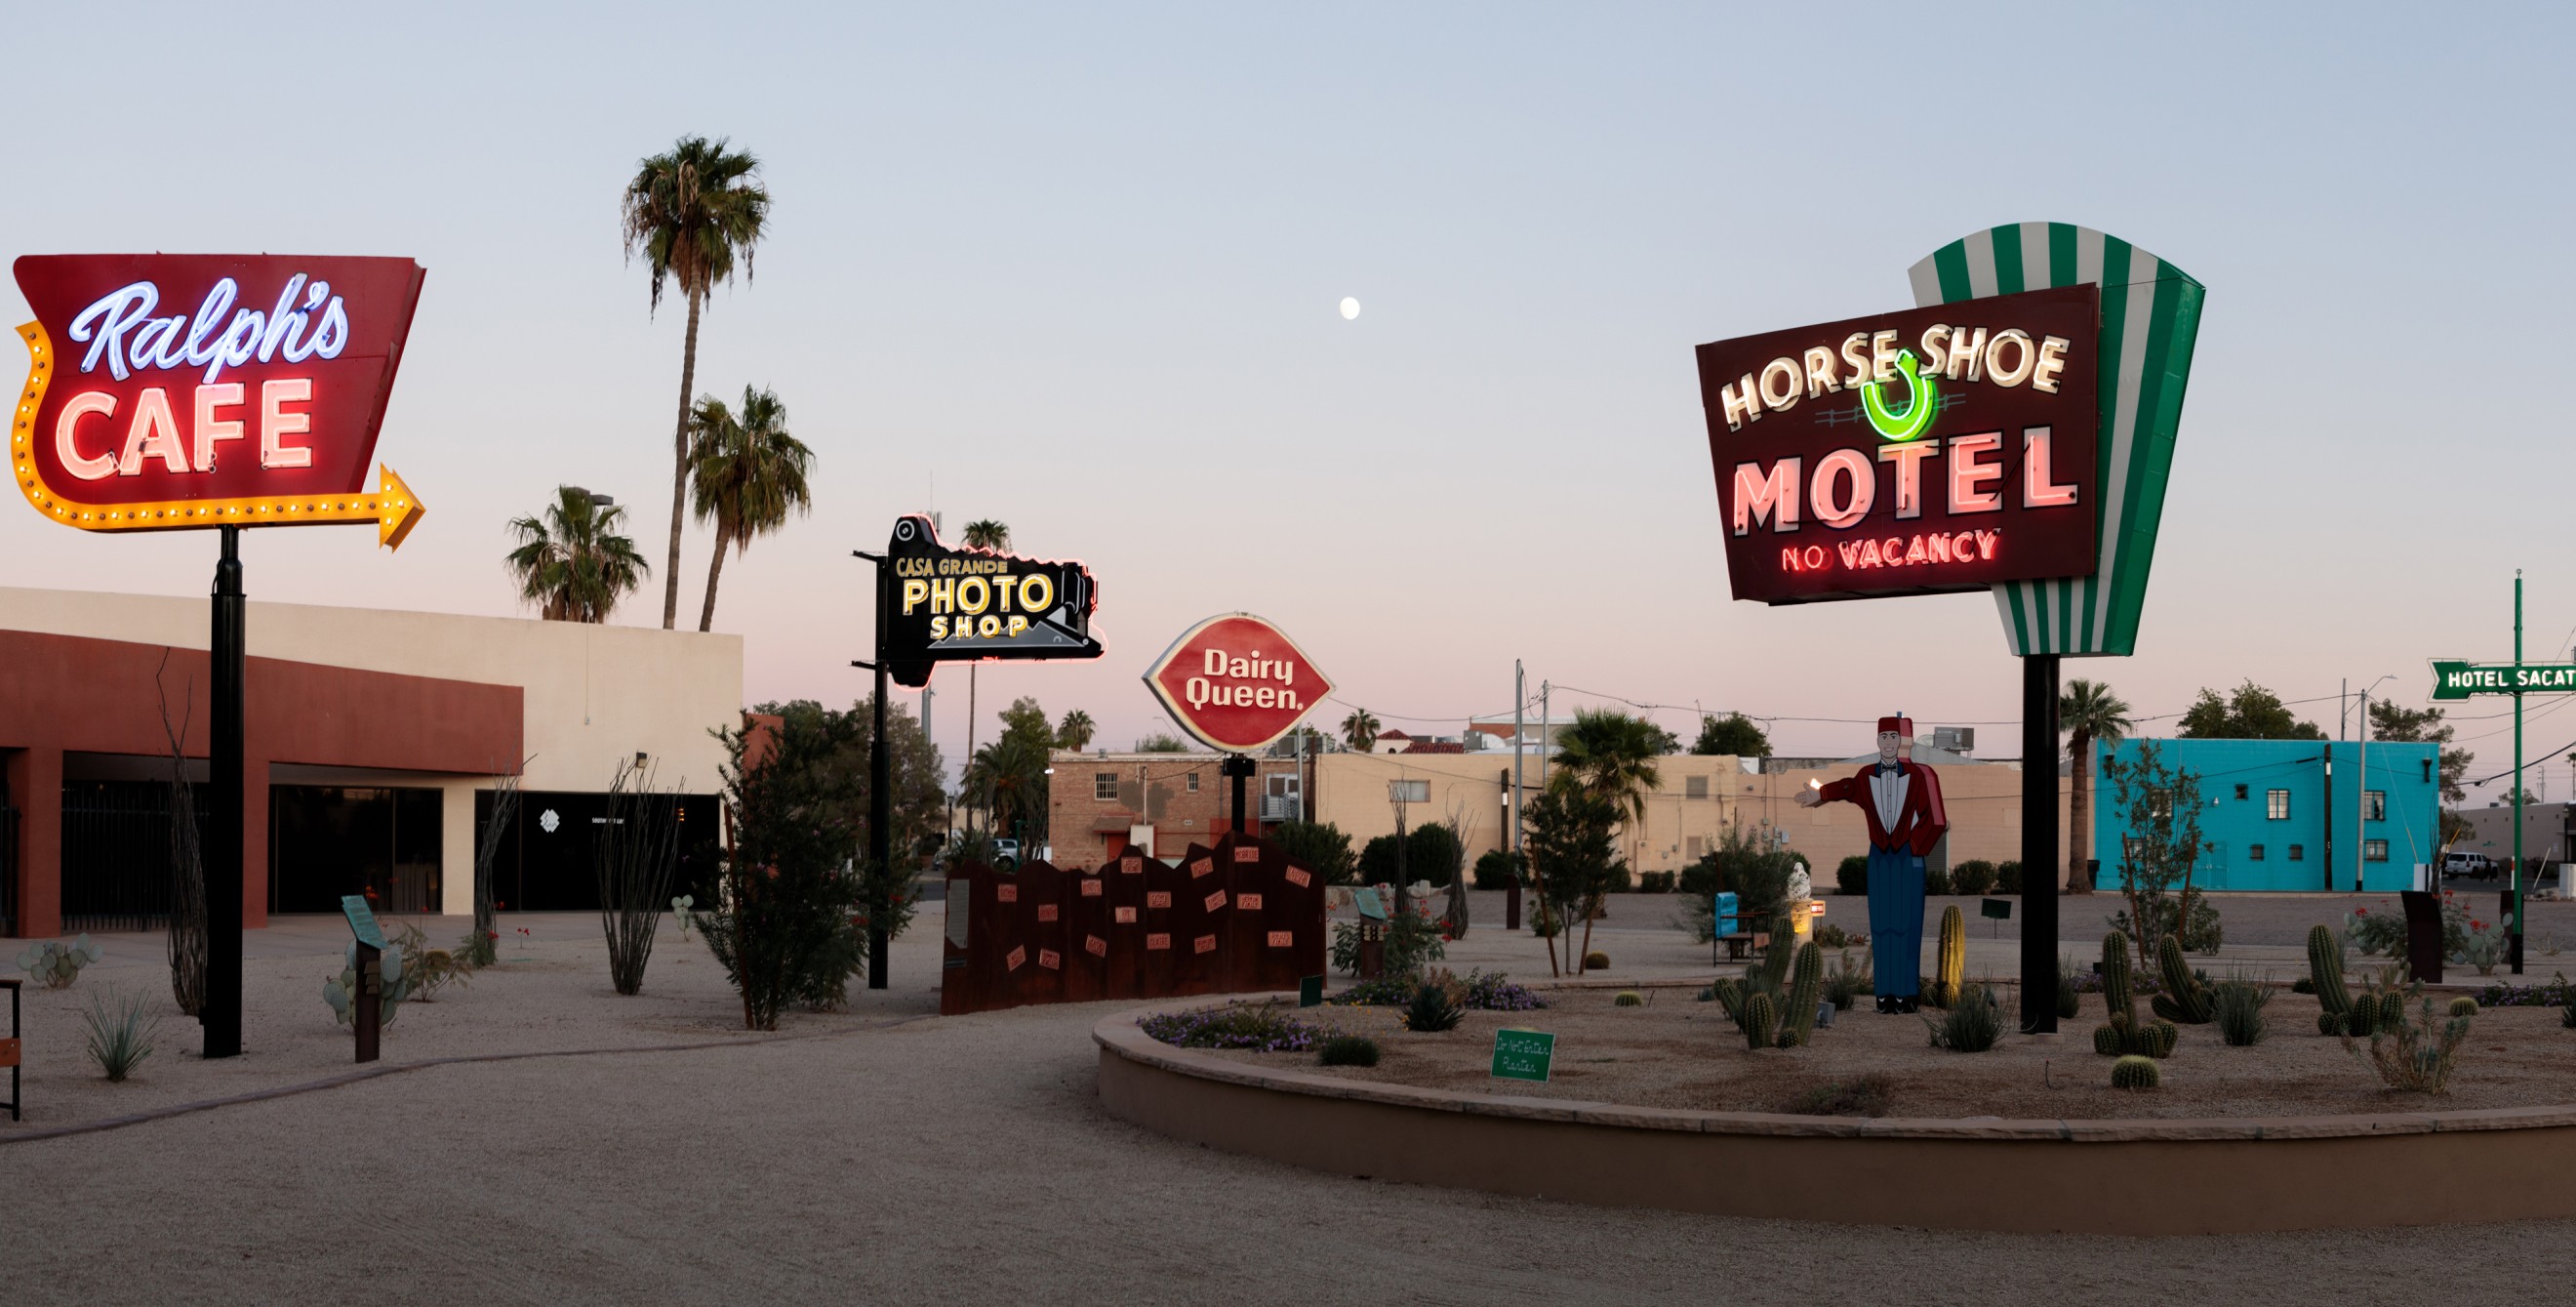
{"x":1901,"y":800}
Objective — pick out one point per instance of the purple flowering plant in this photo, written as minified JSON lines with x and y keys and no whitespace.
{"x":1261,"y":1029}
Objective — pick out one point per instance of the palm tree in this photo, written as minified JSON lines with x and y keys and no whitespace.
{"x":745,"y":472}
{"x":1075,"y":731}
{"x":987,"y":533}
{"x":1610,"y":757}
{"x":1359,"y":730}
{"x":2088,"y":712}
{"x":1008,"y":777}
{"x":572,"y":563}
{"x":691,"y":212}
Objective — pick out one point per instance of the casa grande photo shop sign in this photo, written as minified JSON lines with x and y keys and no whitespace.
{"x":953,"y":604}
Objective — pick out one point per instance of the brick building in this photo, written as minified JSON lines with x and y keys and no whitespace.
{"x":1100,"y":804}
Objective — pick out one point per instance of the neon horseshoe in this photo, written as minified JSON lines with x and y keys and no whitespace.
{"x":1922,"y":397}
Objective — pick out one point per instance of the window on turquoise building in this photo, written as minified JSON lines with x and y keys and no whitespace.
{"x":2276,"y":805}
{"x":2253,"y":853}
{"x":2374,"y":850}
{"x":2298,"y":853}
{"x":2240,"y":791}
{"x":2374,"y":805}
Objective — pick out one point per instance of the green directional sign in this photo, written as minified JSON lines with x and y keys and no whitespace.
{"x":2452,"y":680}
{"x":1523,"y":1054}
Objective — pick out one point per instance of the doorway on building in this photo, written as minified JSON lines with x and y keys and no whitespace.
{"x":547,"y":860}
{"x":326,"y":842}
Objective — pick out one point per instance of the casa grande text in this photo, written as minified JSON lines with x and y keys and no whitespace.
{"x":984,"y":603}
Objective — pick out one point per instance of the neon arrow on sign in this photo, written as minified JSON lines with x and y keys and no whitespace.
{"x":171,"y":392}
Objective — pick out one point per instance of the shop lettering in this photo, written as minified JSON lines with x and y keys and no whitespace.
{"x":2005,"y":358}
{"x":1843,"y":487}
{"x":1206,"y":690}
{"x":979,"y":604}
{"x":122,"y":332}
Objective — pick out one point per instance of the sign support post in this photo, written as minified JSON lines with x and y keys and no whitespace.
{"x":221,"y":1014}
{"x":880,"y":786}
{"x":1238,"y":769}
{"x":2040,"y":863}
{"x":2514,"y":944}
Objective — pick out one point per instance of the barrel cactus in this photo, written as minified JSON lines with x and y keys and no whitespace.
{"x":2136,"y":1073}
{"x":1628,"y":998}
{"x":55,"y":964}
{"x":2155,"y":1039}
{"x":1761,"y":1022}
{"x":2464,"y":1006}
{"x":2111,"y":1040}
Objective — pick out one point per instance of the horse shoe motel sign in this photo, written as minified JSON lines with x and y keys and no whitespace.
{"x":182,"y":391}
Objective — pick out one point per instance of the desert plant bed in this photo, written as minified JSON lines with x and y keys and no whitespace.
{"x":1675,"y":1052}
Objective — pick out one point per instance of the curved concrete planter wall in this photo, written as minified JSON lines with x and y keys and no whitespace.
{"x":2106,"y":1177}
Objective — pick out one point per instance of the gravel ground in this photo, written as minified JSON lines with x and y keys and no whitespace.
{"x":947,"y":1160}
{"x":1677,"y":1053}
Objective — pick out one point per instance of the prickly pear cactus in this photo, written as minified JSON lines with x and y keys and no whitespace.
{"x":2136,"y":1073}
{"x":342,"y":990}
{"x":55,"y":964}
{"x":1761,"y":1022}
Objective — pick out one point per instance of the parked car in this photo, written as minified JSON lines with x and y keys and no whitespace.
{"x":2466,"y":864}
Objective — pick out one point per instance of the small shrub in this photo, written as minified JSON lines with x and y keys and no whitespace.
{"x":2556,"y":993}
{"x":1493,"y":993}
{"x":120,"y":1033}
{"x":1595,"y":960}
{"x":2008,"y":878}
{"x":1498,"y":870}
{"x":2464,"y":1006}
{"x":1655,"y":882}
{"x":1264,"y":1028}
{"x":2417,"y":1055}
{"x":429,"y":969}
{"x":1432,"y":1011}
{"x":57,"y":963}
{"x":1348,"y":1050}
{"x":2567,"y":1017}
{"x":1832,"y":936}
{"x":2303,"y":985}
{"x":1973,"y":1023}
{"x":1846,"y":983}
{"x":2070,"y":987}
{"x":1412,"y":942}
{"x":2134,"y":1072}
{"x":1870,"y":1095}
{"x":1852,"y":876}
{"x":1628,"y":998}
{"x":2239,"y":1004}
{"x":1382,"y":992}
{"x":1975,"y":876}
{"x":1936,"y":881}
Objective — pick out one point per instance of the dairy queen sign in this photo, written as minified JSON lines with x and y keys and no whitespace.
{"x":1236,"y":682}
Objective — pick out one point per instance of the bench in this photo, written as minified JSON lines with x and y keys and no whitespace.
{"x":1743,"y":943}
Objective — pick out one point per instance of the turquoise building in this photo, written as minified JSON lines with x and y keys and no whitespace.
{"x":2290,"y":814}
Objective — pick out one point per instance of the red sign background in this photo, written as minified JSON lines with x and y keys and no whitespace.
{"x":1236,"y":682}
{"x":302,"y":426}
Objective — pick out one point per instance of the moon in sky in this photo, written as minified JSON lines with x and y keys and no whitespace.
{"x":1350,"y":308}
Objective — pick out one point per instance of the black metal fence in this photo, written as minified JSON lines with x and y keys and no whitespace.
{"x":8,"y":871}
{"x":116,"y":854}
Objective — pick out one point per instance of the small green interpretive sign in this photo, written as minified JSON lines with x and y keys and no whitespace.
{"x":1999,"y":909}
{"x":1310,"y":991}
{"x":1523,"y":1054}
{"x":362,"y":920}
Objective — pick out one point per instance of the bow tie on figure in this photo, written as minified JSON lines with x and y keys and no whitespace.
{"x":1901,"y":807}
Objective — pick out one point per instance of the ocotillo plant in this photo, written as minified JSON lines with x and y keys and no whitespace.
{"x":637,"y":852}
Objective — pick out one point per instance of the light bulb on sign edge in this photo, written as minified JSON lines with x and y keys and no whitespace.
{"x":1350,"y":308}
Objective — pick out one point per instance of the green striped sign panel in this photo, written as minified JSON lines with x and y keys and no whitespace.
{"x":2150,"y":318}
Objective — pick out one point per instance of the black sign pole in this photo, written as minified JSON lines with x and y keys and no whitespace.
{"x":1238,"y":768}
{"x":220,"y":1015}
{"x":880,"y":787}
{"x":2040,"y":864}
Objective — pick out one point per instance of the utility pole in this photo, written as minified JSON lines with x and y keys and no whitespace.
{"x":2514,"y":901}
{"x":1546,"y":735}
{"x":1520,"y":702}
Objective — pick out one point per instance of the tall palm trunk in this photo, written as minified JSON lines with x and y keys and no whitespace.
{"x":680,"y":468}
{"x":715,"y":568}
{"x":2079,"y":817}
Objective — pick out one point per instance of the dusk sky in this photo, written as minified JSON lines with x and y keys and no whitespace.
{"x":1077,"y":269}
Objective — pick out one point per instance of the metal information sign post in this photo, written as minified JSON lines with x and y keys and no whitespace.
{"x":367,"y":1002}
{"x":2454,"y":679}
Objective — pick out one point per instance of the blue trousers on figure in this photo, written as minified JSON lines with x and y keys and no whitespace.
{"x":1895,"y":923}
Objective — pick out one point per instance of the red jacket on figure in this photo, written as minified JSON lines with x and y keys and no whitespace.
{"x":1916,"y":820}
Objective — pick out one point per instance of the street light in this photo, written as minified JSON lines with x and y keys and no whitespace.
{"x":2361,"y":789}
